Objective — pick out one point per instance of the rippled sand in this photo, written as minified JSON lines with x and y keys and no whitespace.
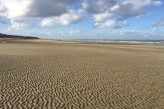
{"x":63,"y":75}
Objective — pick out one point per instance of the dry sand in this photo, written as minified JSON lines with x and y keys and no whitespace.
{"x":63,"y":75}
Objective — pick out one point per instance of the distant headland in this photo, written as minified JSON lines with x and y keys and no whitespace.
{"x":17,"y":37}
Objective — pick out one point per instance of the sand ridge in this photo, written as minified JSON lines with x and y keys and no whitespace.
{"x":63,"y":75}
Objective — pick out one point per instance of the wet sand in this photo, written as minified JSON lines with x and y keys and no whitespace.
{"x":45,"y":74}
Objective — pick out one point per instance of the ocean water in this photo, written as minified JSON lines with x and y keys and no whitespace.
{"x":143,"y":42}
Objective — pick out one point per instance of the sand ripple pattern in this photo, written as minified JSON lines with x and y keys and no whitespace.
{"x":81,"y":76}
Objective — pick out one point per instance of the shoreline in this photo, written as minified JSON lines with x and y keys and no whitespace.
{"x":109,"y":42}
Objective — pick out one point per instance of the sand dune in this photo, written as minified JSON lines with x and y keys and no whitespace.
{"x":61,"y":75}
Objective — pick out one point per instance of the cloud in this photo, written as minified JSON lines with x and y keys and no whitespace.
{"x":54,"y":13}
{"x":142,"y":15}
{"x":69,"y":33}
{"x":102,"y":17}
{"x":113,"y":13}
{"x":136,"y":33}
{"x":72,"y":17}
{"x":95,"y":6}
{"x":111,"y":24}
{"x":74,"y":32}
{"x":18,"y":24}
{"x":130,"y":32}
{"x":159,"y":23}
{"x":21,"y":23}
{"x":37,"y":8}
{"x":40,"y":33}
{"x":134,"y":8}
{"x":2,"y":8}
{"x":16,"y":8}
{"x":48,"y":8}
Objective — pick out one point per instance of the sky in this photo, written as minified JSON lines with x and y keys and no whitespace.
{"x":84,"y":19}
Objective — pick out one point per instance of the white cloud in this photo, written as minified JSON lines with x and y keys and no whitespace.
{"x":129,"y":32}
{"x":142,"y":15}
{"x":54,"y":13}
{"x":74,"y":32}
{"x":17,"y":8}
{"x":72,"y":17}
{"x":157,"y":25}
{"x":40,"y":33}
{"x":111,"y":24}
{"x":104,"y":11}
{"x":57,"y":12}
{"x":134,"y":8}
{"x":102,"y":17}
{"x":160,"y":23}
{"x":20,"y":23}
{"x":69,"y":33}
{"x":17,"y":26}
{"x":18,"y":11}
{"x":154,"y":29}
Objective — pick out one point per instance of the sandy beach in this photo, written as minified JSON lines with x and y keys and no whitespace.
{"x":46,"y":74}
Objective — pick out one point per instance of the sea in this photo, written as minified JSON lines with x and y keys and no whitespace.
{"x":137,"y":42}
